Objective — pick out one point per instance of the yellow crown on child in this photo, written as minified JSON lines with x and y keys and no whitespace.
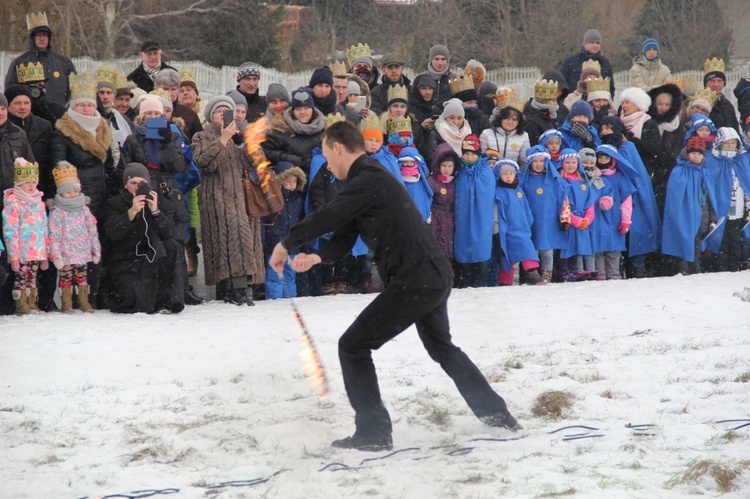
{"x":545,"y":90}
{"x":516,"y":102}
{"x":398,"y":92}
{"x":503,"y":96}
{"x":358,"y":51}
{"x":707,"y":95}
{"x":591,"y":64}
{"x":25,"y":171}
{"x":332,"y":118}
{"x":31,"y":73}
{"x":107,"y":74}
{"x":398,"y":125}
{"x":712,"y":65}
{"x":161,"y":93}
{"x":186,"y":74}
{"x":82,"y":86}
{"x":463,"y":82}
{"x":369,"y":123}
{"x":476,"y":70}
{"x":679,"y":82}
{"x":338,"y":68}
{"x":36,"y":20}
{"x":65,"y":174}
{"x":599,"y":85}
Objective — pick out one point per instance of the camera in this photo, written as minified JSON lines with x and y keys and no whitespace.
{"x":36,"y":91}
{"x":145,"y":189}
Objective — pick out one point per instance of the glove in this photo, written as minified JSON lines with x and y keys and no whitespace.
{"x":15,"y":265}
{"x":44,"y":265}
{"x":624,"y":227}
{"x":564,"y":226}
{"x":96,"y":258}
{"x":605,"y":203}
{"x":166,"y":133}
{"x":578,"y":222}
{"x":582,"y":132}
{"x":58,"y":263}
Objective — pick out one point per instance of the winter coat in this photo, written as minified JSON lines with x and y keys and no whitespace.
{"x":514,"y":225}
{"x":282,"y":144}
{"x":742,"y":92}
{"x":73,"y":236}
{"x":475,"y":198}
{"x":57,"y":69}
{"x":256,"y":105}
{"x":647,"y":74}
{"x":723,"y":114}
{"x":191,"y":119}
{"x":379,"y":93}
{"x":571,"y":67}
{"x":672,"y":133}
{"x":443,"y":203}
{"x":172,"y":161}
{"x":539,"y":121}
{"x":510,"y":145}
{"x":418,"y":107}
{"x":24,"y":229}
{"x":39,"y":132}
{"x":647,"y":145}
{"x":121,"y":124}
{"x":231,"y":240}
{"x":443,"y":91}
{"x":276,"y":227}
{"x":478,"y":121}
{"x":93,"y":157}
{"x":545,"y":194}
{"x":605,"y":233}
{"x":140,"y":77}
{"x":13,"y":144}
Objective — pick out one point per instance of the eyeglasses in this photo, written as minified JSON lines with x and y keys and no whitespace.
{"x":511,"y":118}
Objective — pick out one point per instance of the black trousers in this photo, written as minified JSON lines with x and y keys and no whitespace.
{"x":385,"y":318}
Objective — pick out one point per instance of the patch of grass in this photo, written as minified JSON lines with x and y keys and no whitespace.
{"x":568,"y":468}
{"x":476,"y":478}
{"x":212,"y":381}
{"x":496,"y":377}
{"x":439,"y":416}
{"x":513,"y":362}
{"x":46,"y":460}
{"x":743,"y":377}
{"x":722,"y":474}
{"x":237,"y":378}
{"x":552,"y":404}
{"x":31,"y":424}
{"x":149,"y":453}
{"x":178,"y":383}
{"x":570,"y":491}
{"x":589,"y":377}
{"x":635,"y":465}
{"x":204,"y":420}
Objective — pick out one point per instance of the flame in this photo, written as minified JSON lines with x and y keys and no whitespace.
{"x":255,"y":135}
{"x":311,"y":364}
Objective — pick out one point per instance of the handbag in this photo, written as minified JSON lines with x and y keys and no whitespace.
{"x":262,"y":199}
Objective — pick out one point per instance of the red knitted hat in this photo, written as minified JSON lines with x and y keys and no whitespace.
{"x":695,"y":144}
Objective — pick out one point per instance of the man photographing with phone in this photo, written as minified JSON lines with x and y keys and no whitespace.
{"x":418,"y":280}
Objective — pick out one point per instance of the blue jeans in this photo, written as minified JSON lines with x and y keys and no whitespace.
{"x":280,"y":286}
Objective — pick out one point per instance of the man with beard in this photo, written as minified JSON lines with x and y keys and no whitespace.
{"x":392,"y":65}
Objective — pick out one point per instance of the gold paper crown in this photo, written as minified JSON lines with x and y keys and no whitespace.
{"x":476,"y":70}
{"x":186,"y":74}
{"x":398,"y":92}
{"x":504,"y":95}
{"x":680,"y":82}
{"x":107,"y":74}
{"x":332,"y":118}
{"x":369,"y":123}
{"x":712,"y":65}
{"x":707,"y":95}
{"x":31,"y":73}
{"x":25,"y":171}
{"x":545,"y":90}
{"x":65,"y":174}
{"x":516,"y":102}
{"x":591,"y":64}
{"x":463,"y":82}
{"x":338,"y":68}
{"x":82,"y":86}
{"x":599,"y":85}
{"x":161,"y":93}
{"x":357,"y":51}
{"x":691,"y":85}
{"x":399,"y":124}
{"x":35,"y":20}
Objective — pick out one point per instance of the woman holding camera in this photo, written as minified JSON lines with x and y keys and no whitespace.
{"x":232,"y":249}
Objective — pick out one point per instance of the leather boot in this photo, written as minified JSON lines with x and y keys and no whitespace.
{"x":32,"y":298}
{"x":22,"y":304}
{"x":83,"y":298}
{"x":66,"y":297}
{"x":546,"y":277}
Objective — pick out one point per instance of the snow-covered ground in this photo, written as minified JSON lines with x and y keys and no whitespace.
{"x":100,"y":404}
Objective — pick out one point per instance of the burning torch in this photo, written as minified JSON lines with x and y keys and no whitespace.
{"x":255,"y":135}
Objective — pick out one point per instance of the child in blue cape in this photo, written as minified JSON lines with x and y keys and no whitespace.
{"x":475,"y":199}
{"x":586,"y":265}
{"x":613,"y":214}
{"x":576,"y":215}
{"x":513,"y":220}
{"x":701,"y":126}
{"x":577,"y":131}
{"x":545,"y":192}
{"x":690,"y":208}
{"x":374,"y":148}
{"x":552,"y":141}
{"x":414,"y":174}
{"x":730,"y":170}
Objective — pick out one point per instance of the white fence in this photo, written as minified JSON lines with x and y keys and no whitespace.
{"x":213,"y":81}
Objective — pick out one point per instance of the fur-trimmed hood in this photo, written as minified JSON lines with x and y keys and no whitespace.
{"x":294,"y":171}
{"x":98,"y":146}
{"x":674,"y":109}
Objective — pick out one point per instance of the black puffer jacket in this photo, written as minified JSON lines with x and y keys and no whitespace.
{"x":380,"y":93}
{"x":170,"y":156}
{"x":283,"y":144}
{"x":671,"y":140}
{"x":256,"y":105}
{"x":140,"y":77}
{"x":571,"y":67}
{"x":742,"y":92}
{"x":420,"y":108}
{"x":13,"y":144}
{"x":723,"y":114}
{"x":39,"y":132}
{"x":539,"y":121}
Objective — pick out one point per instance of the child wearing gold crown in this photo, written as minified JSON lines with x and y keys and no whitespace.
{"x":25,"y":234}
{"x":74,"y":240}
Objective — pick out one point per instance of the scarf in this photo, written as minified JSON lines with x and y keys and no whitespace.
{"x":451,"y":134}
{"x":550,"y":108}
{"x":27,"y":199}
{"x":151,"y":72}
{"x":437,"y":74}
{"x":634,"y":122}
{"x":316,"y":124}
{"x":90,"y":124}
{"x":669,"y":126}
{"x":70,"y":204}
{"x":410,"y":171}
{"x":446,"y":180}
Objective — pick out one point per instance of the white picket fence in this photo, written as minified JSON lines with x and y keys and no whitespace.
{"x":213,"y":81}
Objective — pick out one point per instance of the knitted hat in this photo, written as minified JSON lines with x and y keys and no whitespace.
{"x":238,"y":98}
{"x":649,"y":43}
{"x":3,"y":101}
{"x":581,"y":108}
{"x":439,"y":50}
{"x":592,"y":35}
{"x":425,"y":81}
{"x":467,"y":95}
{"x":492,"y":154}
{"x":747,"y":124}
{"x":486,"y":88}
{"x":66,"y":177}
{"x":637,"y":96}
{"x":215,"y":103}
{"x":149,"y":102}
{"x":453,"y":107}
{"x":695,"y":144}
{"x":614,"y":123}
{"x":13,"y":91}
{"x":302,"y":97}
{"x":548,"y":134}
{"x":167,"y":78}
{"x":471,"y":144}
{"x":248,"y":69}
{"x":703,"y":103}
{"x":321,"y":75}
{"x":353,"y":88}
{"x":587,"y":154}
{"x":277,"y":91}
{"x":163,"y":95}
{"x":506,"y":164}
{"x":392,"y":58}
{"x":590,"y":73}
{"x":133,"y":170}
{"x":373,"y":133}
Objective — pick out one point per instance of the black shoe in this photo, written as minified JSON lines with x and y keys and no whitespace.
{"x":503,"y":421}
{"x":235,"y":297}
{"x":191,"y":298}
{"x":532,"y":277}
{"x":375,"y":443}
{"x":249,"y":300}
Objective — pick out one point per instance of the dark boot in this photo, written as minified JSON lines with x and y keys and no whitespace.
{"x":532,"y":277}
{"x":191,"y":298}
{"x":235,"y":297}
{"x":359,"y":442}
{"x":503,"y":421}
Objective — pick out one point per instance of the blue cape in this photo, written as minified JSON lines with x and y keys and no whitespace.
{"x":720,"y":170}
{"x":420,"y":191}
{"x":389,"y":161}
{"x":514,"y":223}
{"x":605,"y":231}
{"x":475,"y":198}
{"x":581,"y":196}
{"x":545,"y":195}
{"x":686,"y":192}
{"x":571,"y":141}
{"x":698,"y":120}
